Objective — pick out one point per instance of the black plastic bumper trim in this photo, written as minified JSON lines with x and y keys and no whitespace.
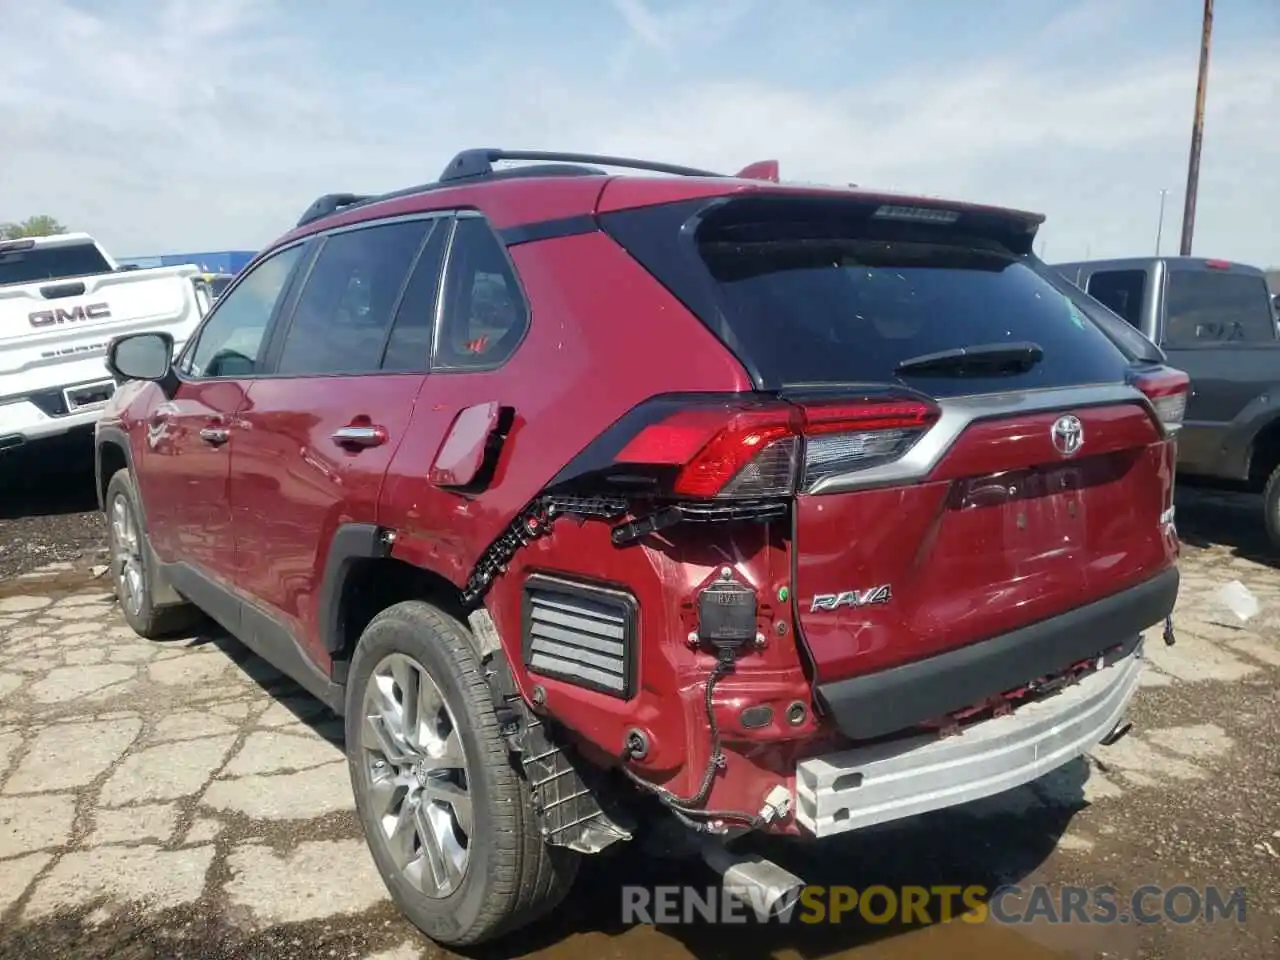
{"x":893,"y":700}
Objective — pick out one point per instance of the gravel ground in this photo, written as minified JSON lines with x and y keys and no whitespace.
{"x":48,"y":513}
{"x":184,"y":800}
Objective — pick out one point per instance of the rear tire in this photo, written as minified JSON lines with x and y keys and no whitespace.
{"x":1271,"y":506}
{"x":448,"y":816}
{"x":133,"y":567}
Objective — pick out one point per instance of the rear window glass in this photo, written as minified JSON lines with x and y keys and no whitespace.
{"x":1210,"y":306}
{"x":843,"y":300}
{"x":38,"y":264}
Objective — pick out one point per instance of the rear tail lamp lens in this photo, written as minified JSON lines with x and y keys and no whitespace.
{"x":837,"y":453}
{"x":768,"y":451}
{"x":1167,"y":389}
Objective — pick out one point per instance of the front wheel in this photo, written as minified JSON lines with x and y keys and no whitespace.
{"x":133,"y":566}
{"x":448,"y":817}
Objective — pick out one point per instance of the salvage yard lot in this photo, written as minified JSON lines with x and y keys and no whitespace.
{"x":183,"y":799}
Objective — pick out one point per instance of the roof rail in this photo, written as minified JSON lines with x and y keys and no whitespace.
{"x":479,"y":162}
{"x":330,"y":203}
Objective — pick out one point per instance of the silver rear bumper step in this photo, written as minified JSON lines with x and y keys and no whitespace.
{"x":876,"y":784}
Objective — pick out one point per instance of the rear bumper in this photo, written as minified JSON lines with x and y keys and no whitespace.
{"x":23,"y":422}
{"x":889,"y":781}
{"x":45,"y":414}
{"x":897,"y":699}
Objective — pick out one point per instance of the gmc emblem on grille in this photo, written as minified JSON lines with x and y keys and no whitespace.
{"x":49,"y":318}
{"x":851,"y":598}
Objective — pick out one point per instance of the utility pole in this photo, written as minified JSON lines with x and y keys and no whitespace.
{"x":1160,"y":222}
{"x":1197,"y":134}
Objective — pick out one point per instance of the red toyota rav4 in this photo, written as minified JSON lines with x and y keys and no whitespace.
{"x":595,"y":501}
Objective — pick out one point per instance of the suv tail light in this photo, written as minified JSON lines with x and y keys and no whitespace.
{"x":775,"y":450}
{"x":1167,"y":390}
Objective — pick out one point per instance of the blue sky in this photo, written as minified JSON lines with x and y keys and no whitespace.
{"x":177,"y":125}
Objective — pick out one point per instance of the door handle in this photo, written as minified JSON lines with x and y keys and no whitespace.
{"x":215,"y":436}
{"x":359,"y":436}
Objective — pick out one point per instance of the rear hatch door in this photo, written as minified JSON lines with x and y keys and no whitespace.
{"x":1036,"y":480}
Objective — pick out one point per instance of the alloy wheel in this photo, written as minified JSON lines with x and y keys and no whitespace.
{"x":126,"y":553}
{"x":417,"y":772}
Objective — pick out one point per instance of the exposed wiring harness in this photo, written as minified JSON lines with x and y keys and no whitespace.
{"x":689,"y":809}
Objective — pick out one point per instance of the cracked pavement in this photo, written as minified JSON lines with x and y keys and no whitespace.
{"x":182,"y":798}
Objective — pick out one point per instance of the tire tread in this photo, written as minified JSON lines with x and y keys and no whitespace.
{"x":530,"y":877}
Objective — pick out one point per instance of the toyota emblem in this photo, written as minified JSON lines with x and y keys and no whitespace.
{"x":1067,"y":435}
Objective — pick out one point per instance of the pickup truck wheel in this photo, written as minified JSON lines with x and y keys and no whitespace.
{"x":1271,"y":504}
{"x":448,"y":817}
{"x":133,"y":567}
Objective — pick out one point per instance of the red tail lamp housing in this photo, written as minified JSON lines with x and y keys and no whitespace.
{"x":776,"y":449}
{"x":1167,"y":389}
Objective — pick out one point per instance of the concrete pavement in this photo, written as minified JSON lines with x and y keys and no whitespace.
{"x":183,"y":799}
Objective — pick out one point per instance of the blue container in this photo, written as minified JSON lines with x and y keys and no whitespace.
{"x":224,"y":261}
{"x":215,"y":261}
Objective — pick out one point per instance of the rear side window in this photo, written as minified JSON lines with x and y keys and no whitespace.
{"x":1212,"y":306}
{"x":1122,"y":291}
{"x":343,"y":314}
{"x":824,"y":297}
{"x":484,"y":314}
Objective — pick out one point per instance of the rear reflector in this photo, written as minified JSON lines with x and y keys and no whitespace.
{"x":1167,"y":390}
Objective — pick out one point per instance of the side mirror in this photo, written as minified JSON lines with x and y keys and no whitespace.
{"x":141,"y":356}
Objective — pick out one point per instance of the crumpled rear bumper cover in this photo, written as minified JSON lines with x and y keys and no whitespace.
{"x":900,"y":698}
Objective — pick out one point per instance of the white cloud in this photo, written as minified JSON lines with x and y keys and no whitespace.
{"x":191,"y":130}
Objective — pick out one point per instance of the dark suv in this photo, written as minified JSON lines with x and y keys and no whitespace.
{"x":595,"y":502}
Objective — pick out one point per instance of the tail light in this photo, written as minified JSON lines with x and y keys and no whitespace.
{"x":1167,"y":390}
{"x":770,"y":450}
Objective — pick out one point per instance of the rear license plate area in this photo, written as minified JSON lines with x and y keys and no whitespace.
{"x":88,"y":396}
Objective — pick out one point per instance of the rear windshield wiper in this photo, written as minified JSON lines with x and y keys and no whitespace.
{"x":987,"y":359}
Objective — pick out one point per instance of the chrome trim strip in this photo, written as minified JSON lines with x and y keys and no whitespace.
{"x":958,"y":414}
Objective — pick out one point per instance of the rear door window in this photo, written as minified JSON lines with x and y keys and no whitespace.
{"x":409,"y":346}
{"x":1215,"y":306}
{"x":343,"y":315}
{"x":1122,"y":291}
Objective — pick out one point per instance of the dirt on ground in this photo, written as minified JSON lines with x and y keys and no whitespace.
{"x":48,"y":508}
{"x":183,"y":799}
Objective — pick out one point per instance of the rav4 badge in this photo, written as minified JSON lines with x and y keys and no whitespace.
{"x":851,"y":598}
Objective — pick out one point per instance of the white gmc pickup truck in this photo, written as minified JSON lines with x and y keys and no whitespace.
{"x":62,"y":300}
